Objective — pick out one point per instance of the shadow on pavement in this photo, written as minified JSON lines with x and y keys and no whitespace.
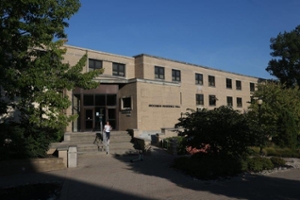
{"x":281,"y":185}
{"x":115,"y":177}
{"x":72,"y":189}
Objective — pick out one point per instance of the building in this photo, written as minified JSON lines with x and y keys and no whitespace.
{"x":148,"y":93}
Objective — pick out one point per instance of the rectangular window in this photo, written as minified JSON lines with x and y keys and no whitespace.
{"x":212,"y":100}
{"x":199,"y":99}
{"x":118,"y":69}
{"x":228,"y":83}
{"x":88,"y":100}
{"x":252,"y":87}
{"x":111,"y":100}
{"x":126,"y":103}
{"x":211,"y":81}
{"x":239,"y":102}
{"x":198,"y":79}
{"x":229,"y":101}
{"x":238,"y":85}
{"x":176,"y":75}
{"x":159,"y":72}
{"x":100,"y":100}
{"x":95,"y":64}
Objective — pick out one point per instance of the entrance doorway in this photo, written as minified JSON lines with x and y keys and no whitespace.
{"x":95,"y":107}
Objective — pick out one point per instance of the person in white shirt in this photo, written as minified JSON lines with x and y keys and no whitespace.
{"x":107,"y":129}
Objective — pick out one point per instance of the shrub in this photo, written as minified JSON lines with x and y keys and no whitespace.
{"x":282,"y":152}
{"x":225,"y":130}
{"x":204,"y":166}
{"x":25,"y":141}
{"x":276,"y":151}
{"x":258,"y":163}
{"x":181,"y":144}
{"x":277,"y":162}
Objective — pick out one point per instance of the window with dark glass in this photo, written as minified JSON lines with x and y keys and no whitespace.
{"x":126,"y":103}
{"x":228,"y":83}
{"x":88,"y":100}
{"x":212,"y":100}
{"x":229,"y":101}
{"x":252,"y":87}
{"x":118,"y":69}
{"x":100,"y":100}
{"x":198,"y":79}
{"x":111,"y":100}
{"x":159,"y":72}
{"x":239,"y":102}
{"x":211,"y":81}
{"x":238,"y":85}
{"x":176,"y":75}
{"x":199,"y":99}
{"x":95,"y":64}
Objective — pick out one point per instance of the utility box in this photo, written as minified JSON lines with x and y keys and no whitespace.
{"x":72,"y":156}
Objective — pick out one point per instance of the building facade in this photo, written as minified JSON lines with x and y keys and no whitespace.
{"x":149,"y":93}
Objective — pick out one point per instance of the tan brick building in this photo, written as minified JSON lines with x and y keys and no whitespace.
{"x":149,"y":93}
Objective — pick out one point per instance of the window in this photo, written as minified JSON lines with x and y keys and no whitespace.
{"x":199,"y":99}
{"x":100,"y":100}
{"x":229,"y":101}
{"x":211,"y":81}
{"x":212,"y":100}
{"x":198,"y":79}
{"x":88,"y":100}
{"x":126,"y":103}
{"x":252,"y":87}
{"x":239,"y":102}
{"x":111,"y":100}
{"x":118,"y":69}
{"x":94,"y":64}
{"x":159,"y":72}
{"x":238,"y":85}
{"x":176,"y":75}
{"x":228,"y":83}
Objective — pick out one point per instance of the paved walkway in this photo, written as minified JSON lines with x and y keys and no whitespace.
{"x":110,"y":177}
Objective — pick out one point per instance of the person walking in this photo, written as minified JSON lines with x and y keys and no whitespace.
{"x":107,"y":129}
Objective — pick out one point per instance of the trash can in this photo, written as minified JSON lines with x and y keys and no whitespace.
{"x":72,"y":156}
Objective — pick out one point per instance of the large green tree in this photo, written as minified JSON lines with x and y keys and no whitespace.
{"x":33,"y":74}
{"x":285,"y":64}
{"x":280,"y":113}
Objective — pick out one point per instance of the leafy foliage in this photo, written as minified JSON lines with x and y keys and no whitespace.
{"x":258,"y":163}
{"x":204,"y":166}
{"x":226,"y":131}
{"x":33,"y":75}
{"x":286,"y":62}
{"x":280,"y":113}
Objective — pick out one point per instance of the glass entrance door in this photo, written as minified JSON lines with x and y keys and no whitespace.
{"x":97,"y":109}
{"x":101,"y":119}
{"x":111,"y":117}
{"x":89,"y":119}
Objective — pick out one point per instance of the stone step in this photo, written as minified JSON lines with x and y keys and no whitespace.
{"x":90,"y":143}
{"x":91,"y":137}
{"x":87,"y":147}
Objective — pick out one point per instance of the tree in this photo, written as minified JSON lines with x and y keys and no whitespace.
{"x":224,"y":130}
{"x":286,"y":62}
{"x":32,"y":68}
{"x":280,"y":113}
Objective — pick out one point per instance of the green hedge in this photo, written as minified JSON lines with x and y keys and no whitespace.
{"x":204,"y":166}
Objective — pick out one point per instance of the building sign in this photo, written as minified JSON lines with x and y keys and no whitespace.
{"x":163,"y":106}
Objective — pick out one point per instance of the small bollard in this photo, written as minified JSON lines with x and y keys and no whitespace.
{"x":72,"y":156}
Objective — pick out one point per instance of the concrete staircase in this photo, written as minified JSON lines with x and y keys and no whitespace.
{"x":90,"y":143}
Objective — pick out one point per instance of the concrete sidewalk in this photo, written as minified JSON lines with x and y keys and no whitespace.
{"x":113,"y":177}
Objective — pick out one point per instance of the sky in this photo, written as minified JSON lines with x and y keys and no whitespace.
{"x":229,"y":35}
